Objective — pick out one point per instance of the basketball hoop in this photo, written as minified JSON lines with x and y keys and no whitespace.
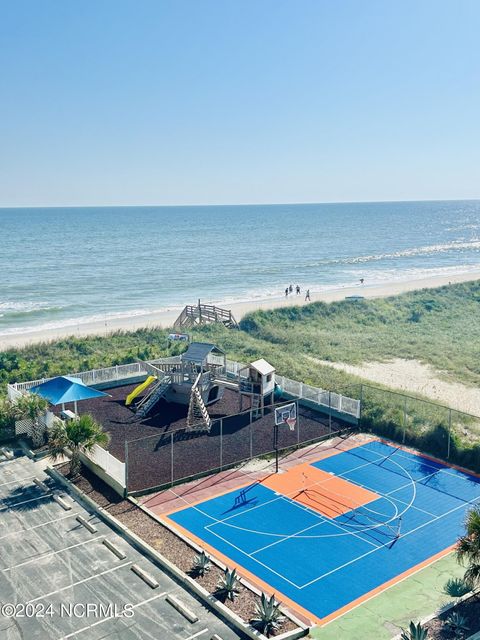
{"x":291,"y":423}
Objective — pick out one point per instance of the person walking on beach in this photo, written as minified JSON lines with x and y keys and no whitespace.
{"x":286,"y":292}
{"x":307,"y":295}
{"x":290,"y":288}
{"x":298,"y":290}
{"x":362,"y":280}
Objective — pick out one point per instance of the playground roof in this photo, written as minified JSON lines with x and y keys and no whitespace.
{"x":198,"y":351}
{"x":65,"y":389}
{"x":263,"y":367}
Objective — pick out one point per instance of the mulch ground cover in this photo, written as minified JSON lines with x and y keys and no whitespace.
{"x":163,"y":540}
{"x":469,"y":609}
{"x":146,"y":444}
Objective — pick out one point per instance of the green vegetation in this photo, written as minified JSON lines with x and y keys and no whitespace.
{"x":268,"y":618}
{"x":456,"y":587}
{"x":436,"y":326}
{"x":228,"y":585}
{"x":201,"y":564}
{"x":78,"y":435}
{"x":49,"y":359}
{"x":414,"y":632}
{"x":457,"y":624}
{"x":468,"y":548}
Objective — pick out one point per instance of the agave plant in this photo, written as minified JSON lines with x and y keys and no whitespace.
{"x":268,"y":616}
{"x":415,"y":632}
{"x":228,"y":585}
{"x":456,"y":587}
{"x":458,"y":625}
{"x":201,"y":564}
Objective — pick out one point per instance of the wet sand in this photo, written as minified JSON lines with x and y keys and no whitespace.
{"x":239,"y":309}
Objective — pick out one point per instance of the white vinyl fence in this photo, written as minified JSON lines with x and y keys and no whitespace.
{"x":330,"y":399}
{"x":111,"y":465}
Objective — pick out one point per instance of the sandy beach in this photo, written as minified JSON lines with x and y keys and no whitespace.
{"x":167,"y":318}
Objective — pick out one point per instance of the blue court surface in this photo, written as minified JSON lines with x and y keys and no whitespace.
{"x":323,"y":566}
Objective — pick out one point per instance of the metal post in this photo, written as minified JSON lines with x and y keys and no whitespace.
{"x":330,"y":411}
{"x":276,"y":447}
{"x":449,"y":432}
{"x":298,"y":424}
{"x":251,"y":439}
{"x":404,"y":419}
{"x":361,"y":403}
{"x":221,"y":444}
{"x":172,"y":476}
{"x":126,"y":469}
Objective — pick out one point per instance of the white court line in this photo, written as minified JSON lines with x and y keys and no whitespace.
{"x":297,"y":534}
{"x":50,"y":553}
{"x":368,"y":463}
{"x":75,"y":584}
{"x":442,"y":467}
{"x":94,"y":624}
{"x":19,"y":480}
{"x":17,"y":504}
{"x":266,"y":566}
{"x":425,"y":524}
{"x":346,"y":531}
{"x":37,"y":526}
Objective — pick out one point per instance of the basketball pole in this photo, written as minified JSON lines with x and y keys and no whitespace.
{"x":276,"y":447}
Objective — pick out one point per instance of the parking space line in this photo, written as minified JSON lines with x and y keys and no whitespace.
{"x":75,"y":584}
{"x":70,"y":635}
{"x":50,"y":553}
{"x":196,"y":635}
{"x":17,"y":504}
{"x":37,"y":526}
{"x":17,"y":480}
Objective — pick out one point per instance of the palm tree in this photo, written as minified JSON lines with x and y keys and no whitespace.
{"x":468,"y":548}
{"x":79,"y":435}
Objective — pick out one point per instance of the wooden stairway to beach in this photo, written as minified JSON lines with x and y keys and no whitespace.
{"x":204,"y":314}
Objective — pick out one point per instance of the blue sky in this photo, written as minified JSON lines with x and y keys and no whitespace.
{"x":203,"y":101}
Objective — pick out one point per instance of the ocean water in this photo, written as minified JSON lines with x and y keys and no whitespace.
{"x":67,"y":266}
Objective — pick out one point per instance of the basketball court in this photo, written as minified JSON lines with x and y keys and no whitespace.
{"x":327,"y":534}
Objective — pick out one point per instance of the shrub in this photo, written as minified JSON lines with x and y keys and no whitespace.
{"x":201,"y":564}
{"x":456,"y":587}
{"x":415,"y":632}
{"x":228,"y":585}
{"x":268,"y":618}
{"x":457,"y":625}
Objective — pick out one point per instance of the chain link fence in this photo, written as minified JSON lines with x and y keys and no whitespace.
{"x":429,"y":427}
{"x":162,"y":460}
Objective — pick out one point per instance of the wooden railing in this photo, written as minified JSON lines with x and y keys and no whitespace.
{"x":204,"y":314}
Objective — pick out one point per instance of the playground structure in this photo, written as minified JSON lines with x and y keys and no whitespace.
{"x":198,"y":379}
{"x":199,"y":314}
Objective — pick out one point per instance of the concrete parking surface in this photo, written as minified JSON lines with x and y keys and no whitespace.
{"x":52,"y":567}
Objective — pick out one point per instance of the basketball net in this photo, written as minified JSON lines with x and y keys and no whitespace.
{"x":291,"y":423}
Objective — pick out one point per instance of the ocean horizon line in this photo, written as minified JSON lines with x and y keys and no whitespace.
{"x":237,"y":204}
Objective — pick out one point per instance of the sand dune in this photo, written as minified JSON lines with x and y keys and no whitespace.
{"x":414,"y":376}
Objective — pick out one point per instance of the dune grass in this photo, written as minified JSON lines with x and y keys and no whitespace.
{"x":435,"y":326}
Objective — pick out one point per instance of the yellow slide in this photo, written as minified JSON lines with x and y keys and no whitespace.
{"x":131,"y":396}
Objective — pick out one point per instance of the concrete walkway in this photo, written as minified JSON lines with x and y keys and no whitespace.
{"x":384,"y":616}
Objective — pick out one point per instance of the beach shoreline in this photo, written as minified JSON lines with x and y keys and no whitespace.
{"x":165,"y":319}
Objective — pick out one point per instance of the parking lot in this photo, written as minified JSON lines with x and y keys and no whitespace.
{"x":60,"y":580}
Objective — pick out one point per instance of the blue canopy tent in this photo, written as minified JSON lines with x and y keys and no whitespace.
{"x":66,"y":389}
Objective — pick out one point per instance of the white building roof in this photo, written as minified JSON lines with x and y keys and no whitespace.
{"x":263,"y":367}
